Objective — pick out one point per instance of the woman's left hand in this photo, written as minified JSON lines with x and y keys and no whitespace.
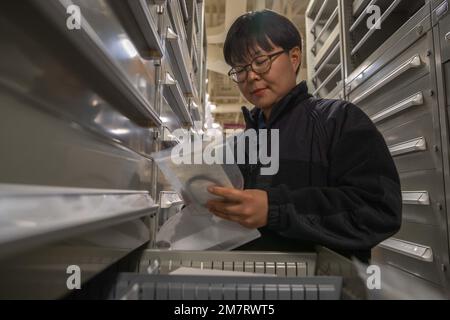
{"x":249,"y":208}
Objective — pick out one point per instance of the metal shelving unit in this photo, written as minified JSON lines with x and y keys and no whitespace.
{"x":82,"y":112}
{"x":323,"y":48}
{"x":390,"y":73}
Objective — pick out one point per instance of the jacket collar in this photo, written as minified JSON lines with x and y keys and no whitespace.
{"x":288,"y":102}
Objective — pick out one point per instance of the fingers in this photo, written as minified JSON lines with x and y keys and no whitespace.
{"x":225,"y":216}
{"x":229,"y":194}
{"x":225,"y":207}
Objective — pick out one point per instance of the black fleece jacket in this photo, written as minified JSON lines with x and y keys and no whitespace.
{"x":337,"y":184}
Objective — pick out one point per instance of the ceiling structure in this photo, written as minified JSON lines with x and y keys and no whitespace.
{"x":219,"y":15}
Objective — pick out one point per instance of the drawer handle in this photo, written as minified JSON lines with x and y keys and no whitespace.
{"x":447,"y":36}
{"x":413,"y":63}
{"x":417,"y":251}
{"x":415,"y":100}
{"x":414,"y":145}
{"x":169,"y":80}
{"x":171,"y":35}
{"x":421,"y":198}
{"x":181,"y":105}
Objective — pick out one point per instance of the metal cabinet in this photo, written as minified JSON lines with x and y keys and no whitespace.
{"x":82,"y":110}
{"x":412,"y":130}
{"x":441,"y":27}
{"x":390,"y":73}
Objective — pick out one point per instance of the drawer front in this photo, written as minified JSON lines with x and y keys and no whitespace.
{"x":417,"y":249}
{"x":446,"y":68}
{"x":423,"y":197}
{"x":398,"y":105}
{"x":412,"y":145}
{"x":444,"y":34}
{"x":407,"y":67}
{"x":168,"y":118}
{"x":281,"y":265}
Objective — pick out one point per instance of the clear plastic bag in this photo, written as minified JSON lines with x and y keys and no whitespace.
{"x":195,"y":228}
{"x":188,"y":231}
{"x":191,"y":181}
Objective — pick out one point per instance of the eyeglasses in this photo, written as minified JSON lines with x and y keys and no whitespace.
{"x":259,"y":65}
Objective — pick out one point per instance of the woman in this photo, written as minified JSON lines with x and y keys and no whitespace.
{"x":337,"y":185}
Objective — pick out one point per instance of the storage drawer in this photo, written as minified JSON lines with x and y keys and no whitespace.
{"x":280,"y":264}
{"x":444,"y":34}
{"x":407,"y":67}
{"x":399,"y":105}
{"x":412,"y":145}
{"x":276,"y":276}
{"x":446,"y":68}
{"x":112,"y":37}
{"x":417,"y":249}
{"x":140,"y":20}
{"x":423,"y":193}
{"x":159,"y":287}
{"x":101,"y":53}
{"x":168,"y":117}
{"x":177,"y":49}
{"x":403,"y":23}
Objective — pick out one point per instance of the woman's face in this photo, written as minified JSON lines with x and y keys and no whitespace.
{"x":267,"y":89}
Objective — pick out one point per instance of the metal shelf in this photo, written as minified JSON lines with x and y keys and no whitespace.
{"x":36,"y":215}
{"x":328,"y":79}
{"x":327,"y":48}
{"x":312,"y":6}
{"x":327,"y":60}
{"x":148,"y":24}
{"x":319,"y":16}
{"x":359,"y":6}
{"x":362,"y":15}
{"x":141,"y":25}
{"x":325,"y":27}
{"x":93,"y":47}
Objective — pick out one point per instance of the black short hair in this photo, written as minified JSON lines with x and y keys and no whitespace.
{"x":256,"y":29}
